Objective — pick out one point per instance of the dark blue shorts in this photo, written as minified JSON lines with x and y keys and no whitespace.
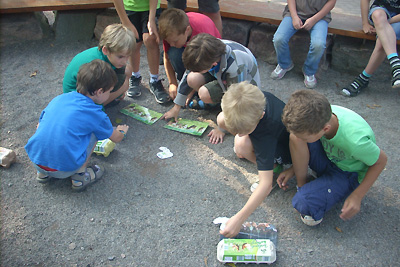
{"x":332,"y":185}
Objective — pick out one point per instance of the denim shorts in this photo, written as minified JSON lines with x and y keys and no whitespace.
{"x":331,"y":186}
{"x":63,"y":174}
{"x":373,"y":8}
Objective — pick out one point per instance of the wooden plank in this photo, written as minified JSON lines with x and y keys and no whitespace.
{"x":250,"y":10}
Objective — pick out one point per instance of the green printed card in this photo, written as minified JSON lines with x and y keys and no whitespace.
{"x":187,"y":126}
{"x":141,"y":113}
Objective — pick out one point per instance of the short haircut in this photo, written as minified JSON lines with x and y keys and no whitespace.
{"x":172,"y":21}
{"x":95,"y":75}
{"x":243,"y":105}
{"x":202,"y":51}
{"x":117,"y":38}
{"x":306,"y":112}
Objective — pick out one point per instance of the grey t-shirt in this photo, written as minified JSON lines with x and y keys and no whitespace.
{"x":308,"y":8}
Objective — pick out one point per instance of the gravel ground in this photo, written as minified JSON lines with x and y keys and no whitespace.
{"x":152,"y":212}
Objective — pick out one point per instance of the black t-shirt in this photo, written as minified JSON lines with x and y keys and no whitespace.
{"x":391,"y":5}
{"x":270,"y":139}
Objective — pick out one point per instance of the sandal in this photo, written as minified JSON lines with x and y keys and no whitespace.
{"x":81,"y":180}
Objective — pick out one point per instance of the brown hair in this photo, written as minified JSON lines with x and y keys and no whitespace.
{"x":202,"y":51}
{"x":95,"y":75}
{"x":172,"y":21}
{"x":117,"y":38}
{"x":307,"y":111}
{"x":243,"y":105}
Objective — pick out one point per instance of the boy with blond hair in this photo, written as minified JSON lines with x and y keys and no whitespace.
{"x":336,"y":143}
{"x":176,"y":28}
{"x":115,"y":46}
{"x":214,"y":65}
{"x":255,"y":118}
{"x":70,"y":126}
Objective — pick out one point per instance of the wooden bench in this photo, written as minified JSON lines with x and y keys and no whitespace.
{"x":250,"y":10}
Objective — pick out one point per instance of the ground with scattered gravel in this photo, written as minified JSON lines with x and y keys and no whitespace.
{"x":152,"y":212}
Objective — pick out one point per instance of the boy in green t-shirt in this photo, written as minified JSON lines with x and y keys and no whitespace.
{"x":336,"y":143}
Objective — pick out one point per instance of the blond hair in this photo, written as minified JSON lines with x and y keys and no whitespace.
{"x":202,"y":51}
{"x":243,"y":105}
{"x":172,"y":21}
{"x":306,"y":112}
{"x":117,"y":38}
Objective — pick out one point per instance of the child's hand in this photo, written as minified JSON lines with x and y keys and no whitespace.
{"x":308,"y":24}
{"x":284,"y":177}
{"x":232,"y":228}
{"x":297,"y":23}
{"x":351,"y":207}
{"x":216,"y":136}
{"x":368,"y":28}
{"x":173,"y":89}
{"x":172,"y":113}
{"x":123,"y":127}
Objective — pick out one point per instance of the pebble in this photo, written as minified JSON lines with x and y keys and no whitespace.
{"x":123,"y":256}
{"x":111,"y":258}
{"x":92,"y":219}
{"x":72,"y":246}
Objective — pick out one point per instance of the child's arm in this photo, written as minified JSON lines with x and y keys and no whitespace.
{"x":395,"y":19}
{"x":119,"y":6}
{"x":169,"y":71}
{"x":233,"y":225}
{"x":296,"y":21}
{"x":352,"y":204}
{"x":119,"y":133}
{"x":310,"y":22}
{"x":151,"y":25}
{"x":364,"y":6}
{"x":300,"y":158}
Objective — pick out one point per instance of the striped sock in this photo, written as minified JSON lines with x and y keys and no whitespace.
{"x":395,"y":64}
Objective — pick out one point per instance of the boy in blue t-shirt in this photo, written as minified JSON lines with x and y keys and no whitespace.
{"x":336,"y":143}
{"x":70,"y":126}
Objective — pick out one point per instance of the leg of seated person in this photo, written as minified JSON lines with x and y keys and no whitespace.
{"x":384,"y":31}
{"x":318,"y":35}
{"x":244,"y":148}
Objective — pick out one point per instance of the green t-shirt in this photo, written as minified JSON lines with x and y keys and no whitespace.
{"x":353,"y":148}
{"x":69,"y":81}
{"x":138,"y":5}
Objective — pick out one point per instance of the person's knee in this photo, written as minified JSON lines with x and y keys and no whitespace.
{"x":301,"y":204}
{"x":195,"y":80}
{"x":204,"y":95}
{"x":318,"y":46}
{"x":379,"y":17}
{"x":150,"y":41}
{"x":279,"y":39}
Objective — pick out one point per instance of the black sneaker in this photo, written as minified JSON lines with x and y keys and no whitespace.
{"x":157,"y":89}
{"x":396,"y":81}
{"x":355,"y":87}
{"x":134,"y":87}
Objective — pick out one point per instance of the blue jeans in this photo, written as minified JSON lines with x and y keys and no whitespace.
{"x":332,"y":185}
{"x":175,"y":57}
{"x":281,"y":39}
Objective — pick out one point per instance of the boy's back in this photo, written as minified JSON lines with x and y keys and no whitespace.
{"x":70,"y":119}
{"x":353,"y":148}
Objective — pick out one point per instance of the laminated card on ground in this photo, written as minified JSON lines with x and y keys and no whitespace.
{"x":141,"y":113}
{"x":187,"y":126}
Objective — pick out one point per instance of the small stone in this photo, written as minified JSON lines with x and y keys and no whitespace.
{"x":111,"y":258}
{"x":123,"y":256}
{"x":82,"y":248}
{"x":92,"y":219}
{"x":10,"y":184}
{"x":72,"y":246}
{"x":137,"y":194}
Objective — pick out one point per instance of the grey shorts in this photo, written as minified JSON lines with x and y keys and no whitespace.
{"x":120,"y":79}
{"x":205,"y":6}
{"x":214,"y":89}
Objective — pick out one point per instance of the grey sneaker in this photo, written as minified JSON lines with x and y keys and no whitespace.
{"x":157,"y":89}
{"x":278,"y":72}
{"x":134,"y":87}
{"x":310,"y":81}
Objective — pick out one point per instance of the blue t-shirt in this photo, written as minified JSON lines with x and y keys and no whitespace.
{"x":64,"y":132}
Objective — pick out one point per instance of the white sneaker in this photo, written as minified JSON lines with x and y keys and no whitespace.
{"x":278,"y":72}
{"x":308,"y":220}
{"x":253,"y":186}
{"x":310,"y":81}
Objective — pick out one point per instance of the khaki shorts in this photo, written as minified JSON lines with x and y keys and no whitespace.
{"x":214,"y":89}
